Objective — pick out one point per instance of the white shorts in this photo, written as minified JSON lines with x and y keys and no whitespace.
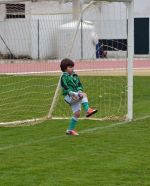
{"x":75,"y":104}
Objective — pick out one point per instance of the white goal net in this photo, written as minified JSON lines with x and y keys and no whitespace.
{"x":33,"y":40}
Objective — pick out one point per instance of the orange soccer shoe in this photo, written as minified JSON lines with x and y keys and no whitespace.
{"x":72,"y":133}
{"x":91,"y":112}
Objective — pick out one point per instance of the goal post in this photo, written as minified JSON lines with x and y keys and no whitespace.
{"x":129,"y":5}
{"x":130,"y":57}
{"x":32,"y":44}
{"x":130,"y":51}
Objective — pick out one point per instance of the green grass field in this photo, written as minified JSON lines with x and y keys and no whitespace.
{"x":105,"y":154}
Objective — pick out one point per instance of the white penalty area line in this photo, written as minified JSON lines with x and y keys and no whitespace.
{"x":113,"y":125}
{"x":81,"y":132}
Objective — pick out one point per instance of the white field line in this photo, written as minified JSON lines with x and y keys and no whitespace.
{"x":62,"y":136}
{"x":77,"y":70}
{"x":113,"y":125}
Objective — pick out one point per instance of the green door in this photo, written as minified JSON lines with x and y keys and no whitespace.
{"x":141,"y":35}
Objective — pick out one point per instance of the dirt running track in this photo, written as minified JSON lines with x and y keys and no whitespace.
{"x":99,"y":67}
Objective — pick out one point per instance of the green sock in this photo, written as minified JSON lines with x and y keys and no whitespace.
{"x":85,"y":106}
{"x":72,"y":123}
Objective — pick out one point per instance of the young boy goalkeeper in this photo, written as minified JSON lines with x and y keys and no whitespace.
{"x":73,"y":94}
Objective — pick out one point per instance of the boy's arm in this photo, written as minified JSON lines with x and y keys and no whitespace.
{"x":64,"y":84}
{"x":80,"y":87}
{"x":66,"y":87}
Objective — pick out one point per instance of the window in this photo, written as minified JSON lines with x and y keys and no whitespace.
{"x":14,"y":11}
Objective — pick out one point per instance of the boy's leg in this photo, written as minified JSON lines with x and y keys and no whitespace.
{"x":85,"y":102}
{"x":86,"y":107}
{"x":76,"y":110}
{"x":72,"y":123}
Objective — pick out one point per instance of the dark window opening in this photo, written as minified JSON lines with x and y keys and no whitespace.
{"x":14,"y":11}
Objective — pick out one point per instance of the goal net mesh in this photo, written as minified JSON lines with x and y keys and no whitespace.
{"x":98,"y":44}
{"x":32,"y":44}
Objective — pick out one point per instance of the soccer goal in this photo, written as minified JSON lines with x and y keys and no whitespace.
{"x":34,"y":38}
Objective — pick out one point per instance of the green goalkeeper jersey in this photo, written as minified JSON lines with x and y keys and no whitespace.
{"x":70,"y":83}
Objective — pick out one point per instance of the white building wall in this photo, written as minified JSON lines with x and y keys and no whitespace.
{"x":44,"y":32}
{"x":15,"y":33}
{"x":109,"y":19}
{"x":142,"y":8}
{"x":2,"y":12}
{"x":34,"y":36}
{"x":22,"y":35}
